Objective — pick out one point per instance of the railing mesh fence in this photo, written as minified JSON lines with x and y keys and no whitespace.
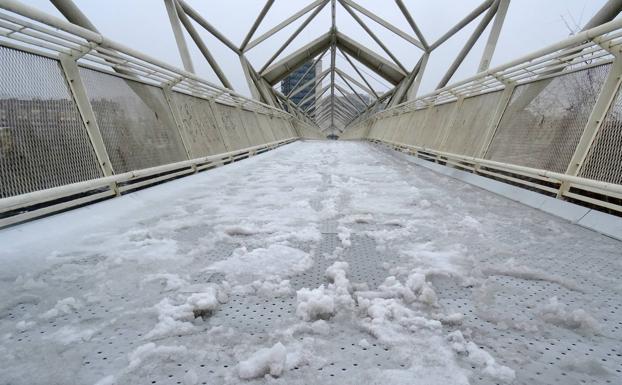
{"x":135,"y":121}
{"x":43,"y":142}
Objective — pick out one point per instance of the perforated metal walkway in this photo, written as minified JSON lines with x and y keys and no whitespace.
{"x":102,"y":294}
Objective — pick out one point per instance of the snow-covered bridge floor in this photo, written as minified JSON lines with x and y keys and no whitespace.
{"x":319,"y":262}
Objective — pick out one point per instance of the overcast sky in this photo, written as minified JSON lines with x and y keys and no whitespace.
{"x":144,"y":25}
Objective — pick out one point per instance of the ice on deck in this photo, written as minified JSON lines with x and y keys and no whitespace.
{"x":319,"y":262}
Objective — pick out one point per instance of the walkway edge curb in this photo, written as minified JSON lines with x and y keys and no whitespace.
{"x":603,"y":223}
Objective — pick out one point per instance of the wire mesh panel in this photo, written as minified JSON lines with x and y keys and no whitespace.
{"x":277,"y":128}
{"x":135,"y":122}
{"x":390,"y":127}
{"x":436,"y":125}
{"x":604,"y":160}
{"x":401,"y":127}
{"x":415,"y":125}
{"x":283,"y":128}
{"x":231,"y":127}
{"x":199,"y":124}
{"x":468,"y":131}
{"x":376,"y":129}
{"x":265,"y":122}
{"x":253,"y":129}
{"x":43,"y":142}
{"x":545,"y":119}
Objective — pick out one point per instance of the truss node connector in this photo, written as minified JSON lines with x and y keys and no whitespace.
{"x":502,"y":79}
{"x":84,"y":50}
{"x":608,"y":45}
{"x":174,"y":82}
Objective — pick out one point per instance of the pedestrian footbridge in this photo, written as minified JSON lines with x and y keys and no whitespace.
{"x":156,"y":228}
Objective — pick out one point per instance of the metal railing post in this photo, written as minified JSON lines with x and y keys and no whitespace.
{"x":72,"y":74}
{"x":219,"y":122}
{"x":179,"y":123}
{"x":504,"y":102}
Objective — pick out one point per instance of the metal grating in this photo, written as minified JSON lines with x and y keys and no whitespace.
{"x":544,"y":120}
{"x":199,"y":124}
{"x":500,"y":306}
{"x":469,"y":129}
{"x":135,"y":122}
{"x":43,"y":142}
{"x":604,"y":160}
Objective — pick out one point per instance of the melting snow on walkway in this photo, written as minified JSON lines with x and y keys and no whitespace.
{"x":314,"y":263}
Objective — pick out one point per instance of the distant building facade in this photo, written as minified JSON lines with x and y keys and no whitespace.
{"x":299,"y":77}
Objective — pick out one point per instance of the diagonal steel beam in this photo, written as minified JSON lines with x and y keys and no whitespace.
{"x":402,"y":89}
{"x":287,"y":65}
{"x":383,"y":67}
{"x":384,"y":23}
{"x":202,"y":47}
{"x":412,"y":23}
{"x":294,"y":35}
{"x":312,"y":67}
{"x":196,"y":16}
{"x":349,"y":79}
{"x":283,"y":24}
{"x":314,"y":81}
{"x":493,"y":37}
{"x":171,"y":10}
{"x":258,"y":20}
{"x":469,"y":44}
{"x":350,"y":86}
{"x":340,"y":105}
{"x":372,"y":34}
{"x":310,"y":92}
{"x":317,"y":97}
{"x":359,"y":73}
{"x":462,"y":23}
{"x":343,"y":93}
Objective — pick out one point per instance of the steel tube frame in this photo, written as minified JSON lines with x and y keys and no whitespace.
{"x":345,"y":76}
{"x":493,"y":38}
{"x":258,"y":20}
{"x":372,"y":35}
{"x":312,"y":67}
{"x":283,"y":24}
{"x":412,"y":24}
{"x":384,"y":23}
{"x":462,"y":23}
{"x":469,"y":44}
{"x":315,"y":82}
{"x":207,"y":26}
{"x":171,"y":9}
{"x":294,"y":35}
{"x":351,"y":88}
{"x":202,"y":47}
{"x":359,"y":73}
